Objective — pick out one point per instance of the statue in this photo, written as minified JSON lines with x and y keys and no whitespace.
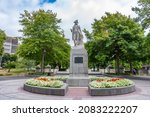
{"x":77,"y":36}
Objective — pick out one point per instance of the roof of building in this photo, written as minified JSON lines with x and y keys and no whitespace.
{"x":12,"y":40}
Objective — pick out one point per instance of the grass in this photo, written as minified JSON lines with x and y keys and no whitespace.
{"x":18,"y":72}
{"x":37,"y":73}
{"x":13,"y":72}
{"x":115,"y":74}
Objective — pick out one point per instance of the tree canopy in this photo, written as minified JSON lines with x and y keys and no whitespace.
{"x":9,"y":61}
{"x":115,"y":37}
{"x":2,"y":38}
{"x":143,"y":12}
{"x":43,"y":38}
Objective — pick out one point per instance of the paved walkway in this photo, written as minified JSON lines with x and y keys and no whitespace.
{"x":13,"y":90}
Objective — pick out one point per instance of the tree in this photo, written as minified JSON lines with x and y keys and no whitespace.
{"x":96,"y":56}
{"x":9,"y":61}
{"x":2,"y":38}
{"x":26,"y":64}
{"x":146,"y":50}
{"x":143,"y":12}
{"x":43,"y":39}
{"x":9,"y":65}
{"x":8,"y":58}
{"x":117,"y":37}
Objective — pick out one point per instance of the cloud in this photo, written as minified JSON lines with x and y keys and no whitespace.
{"x":67,"y":10}
{"x":87,"y":10}
{"x":10,"y":12}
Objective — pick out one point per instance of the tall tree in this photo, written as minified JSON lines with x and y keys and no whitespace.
{"x":2,"y":38}
{"x":43,"y":39}
{"x":118,"y":37}
{"x":146,"y":50}
{"x":143,"y":12}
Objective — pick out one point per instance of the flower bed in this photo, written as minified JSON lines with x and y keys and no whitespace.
{"x":110,"y":86}
{"x":110,"y":82}
{"x":44,"y":85}
{"x":45,"y":82}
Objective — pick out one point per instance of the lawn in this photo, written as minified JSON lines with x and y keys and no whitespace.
{"x":13,"y":72}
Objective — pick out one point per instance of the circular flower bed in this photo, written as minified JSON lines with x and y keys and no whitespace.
{"x":110,"y":82}
{"x":45,"y":82}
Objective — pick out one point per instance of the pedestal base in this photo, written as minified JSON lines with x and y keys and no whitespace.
{"x":78,"y":61}
{"x":78,"y":81}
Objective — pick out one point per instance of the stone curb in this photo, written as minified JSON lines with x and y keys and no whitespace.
{"x":47,"y":91}
{"x":110,"y":91}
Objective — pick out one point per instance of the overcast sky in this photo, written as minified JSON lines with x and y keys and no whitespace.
{"x":67,"y":10}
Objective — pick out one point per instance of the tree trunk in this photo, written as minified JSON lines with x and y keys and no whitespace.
{"x":117,"y":64}
{"x":130,"y":67}
{"x":9,"y":70}
{"x":42,"y":62}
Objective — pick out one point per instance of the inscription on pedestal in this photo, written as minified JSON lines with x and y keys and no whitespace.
{"x":78,"y":60}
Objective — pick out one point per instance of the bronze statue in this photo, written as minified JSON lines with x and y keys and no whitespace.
{"x":77,"y":36}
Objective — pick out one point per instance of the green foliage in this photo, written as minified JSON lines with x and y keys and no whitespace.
{"x":8,"y":58}
{"x":9,"y":61}
{"x":115,"y":37}
{"x":43,"y":37}
{"x":9,"y":65}
{"x":24,"y":63}
{"x":146,"y":49}
{"x":2,"y":38}
{"x":110,"y":83}
{"x":143,"y":12}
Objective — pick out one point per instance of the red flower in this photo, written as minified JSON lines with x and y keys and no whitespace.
{"x":42,"y":78}
{"x":99,"y":80}
{"x":114,"y":79}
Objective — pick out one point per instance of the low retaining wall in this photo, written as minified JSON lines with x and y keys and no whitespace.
{"x":78,"y":82}
{"x":47,"y":91}
{"x":110,"y":91}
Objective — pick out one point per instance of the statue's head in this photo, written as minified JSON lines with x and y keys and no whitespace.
{"x":76,"y":21}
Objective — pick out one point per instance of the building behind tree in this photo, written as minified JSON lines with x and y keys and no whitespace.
{"x":10,"y":45}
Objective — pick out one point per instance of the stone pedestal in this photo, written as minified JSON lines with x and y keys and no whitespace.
{"x":78,"y":67}
{"x":78,"y":62}
{"x":78,"y":81}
